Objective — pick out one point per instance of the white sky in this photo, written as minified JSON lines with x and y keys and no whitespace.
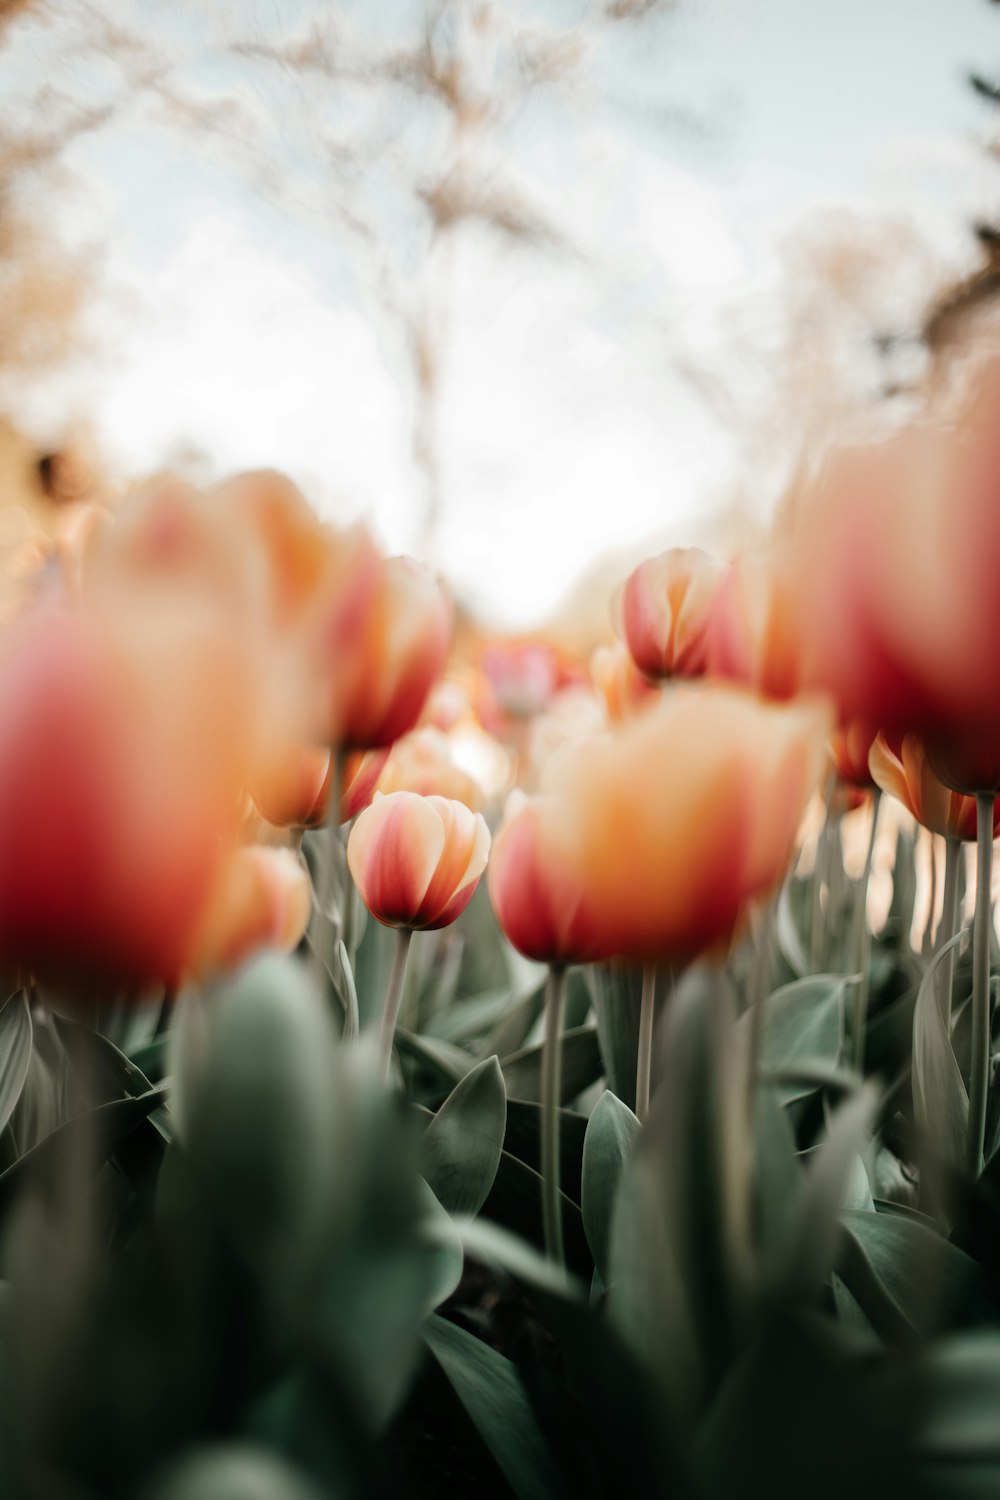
{"x":566,"y":427}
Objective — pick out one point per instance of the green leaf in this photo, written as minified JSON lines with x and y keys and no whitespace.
{"x":909,"y":1280}
{"x":581,"y":1065}
{"x":492,"y":1393}
{"x":96,"y":1132}
{"x":940,"y":1099}
{"x":511,"y":1032}
{"x":960,"y":1380}
{"x":15,"y":1052}
{"x":803,"y":1025}
{"x":524,"y":1140}
{"x":489,"y":1242}
{"x":611,"y":1130}
{"x":461,"y":1147}
{"x":813,"y":1247}
{"x":446,"y":1063}
{"x":616,"y":990}
{"x":515,"y":1202}
{"x":231,"y":1471}
{"x":790,"y":944}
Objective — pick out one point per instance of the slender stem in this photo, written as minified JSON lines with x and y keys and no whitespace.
{"x":327,"y":937}
{"x":647,"y":1012}
{"x":393,"y":996}
{"x":927,"y":941}
{"x":980,"y":1066}
{"x":551,"y":1093}
{"x":948,"y":926}
{"x":819,"y":874}
{"x":861,"y":945}
{"x":760,"y":983}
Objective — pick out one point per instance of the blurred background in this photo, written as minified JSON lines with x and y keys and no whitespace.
{"x":534,"y":287}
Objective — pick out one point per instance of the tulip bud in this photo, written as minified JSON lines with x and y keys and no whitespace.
{"x":901,"y":767}
{"x":417,"y":860}
{"x":751,"y":635}
{"x":295,"y":793}
{"x":537,"y":888}
{"x":664,"y":608}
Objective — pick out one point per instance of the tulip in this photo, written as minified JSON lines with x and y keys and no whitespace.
{"x":652,"y":838}
{"x":416,"y":862}
{"x":664,"y":608}
{"x":622,"y":688}
{"x":422,"y":761}
{"x":537,"y":886}
{"x":751,"y":634}
{"x":118,"y":799}
{"x":296,"y":794}
{"x":900,"y":766}
{"x":895,"y":600}
{"x":384,"y":671}
{"x":262,"y":900}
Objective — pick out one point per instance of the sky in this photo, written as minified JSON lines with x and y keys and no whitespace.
{"x":614,"y":392}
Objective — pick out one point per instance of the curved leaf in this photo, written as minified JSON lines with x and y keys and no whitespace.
{"x":490,"y":1389}
{"x":610,"y":1132}
{"x":803,"y":1023}
{"x":581,"y":1065}
{"x":461,"y":1147}
{"x":940,"y":1098}
{"x":15,"y":1052}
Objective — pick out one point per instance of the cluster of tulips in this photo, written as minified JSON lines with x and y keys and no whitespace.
{"x":204,"y":675}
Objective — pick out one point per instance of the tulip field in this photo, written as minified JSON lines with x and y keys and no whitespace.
{"x":434,"y":1064}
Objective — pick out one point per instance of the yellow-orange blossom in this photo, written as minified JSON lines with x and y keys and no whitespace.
{"x":649,"y":841}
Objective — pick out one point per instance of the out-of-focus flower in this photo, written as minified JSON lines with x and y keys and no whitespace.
{"x":119,"y":800}
{"x":899,"y":765}
{"x":574,"y":714}
{"x":622,"y":688}
{"x":664,"y":609}
{"x":849,"y":748}
{"x":262,"y":899}
{"x":519,"y":681}
{"x":295,"y":792}
{"x":450,"y":702}
{"x":896,"y":604}
{"x":417,"y":860}
{"x":968,"y":763}
{"x":422,"y":761}
{"x":538,"y":887}
{"x":751,"y":636}
{"x":665,"y":828}
{"x":382,"y":673}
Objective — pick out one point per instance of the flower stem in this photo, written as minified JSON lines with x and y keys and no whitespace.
{"x":949,"y":925}
{"x":861,"y":944}
{"x":980,"y":1067}
{"x":551,"y":1096}
{"x":820,"y":874}
{"x":393,"y":997}
{"x":328,"y":937}
{"x":760,"y":981}
{"x":647,"y":1012}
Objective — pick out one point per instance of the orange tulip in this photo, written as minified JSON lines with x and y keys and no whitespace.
{"x":262,"y":899}
{"x":751,"y":631}
{"x":119,"y":798}
{"x":422,"y":761}
{"x":664,"y":607}
{"x":900,"y":766}
{"x":384,"y":669}
{"x":622,"y":688}
{"x":895,"y":584}
{"x":662,"y":830}
{"x":296,"y":792}
{"x":417,"y":860}
{"x":538,"y":888}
